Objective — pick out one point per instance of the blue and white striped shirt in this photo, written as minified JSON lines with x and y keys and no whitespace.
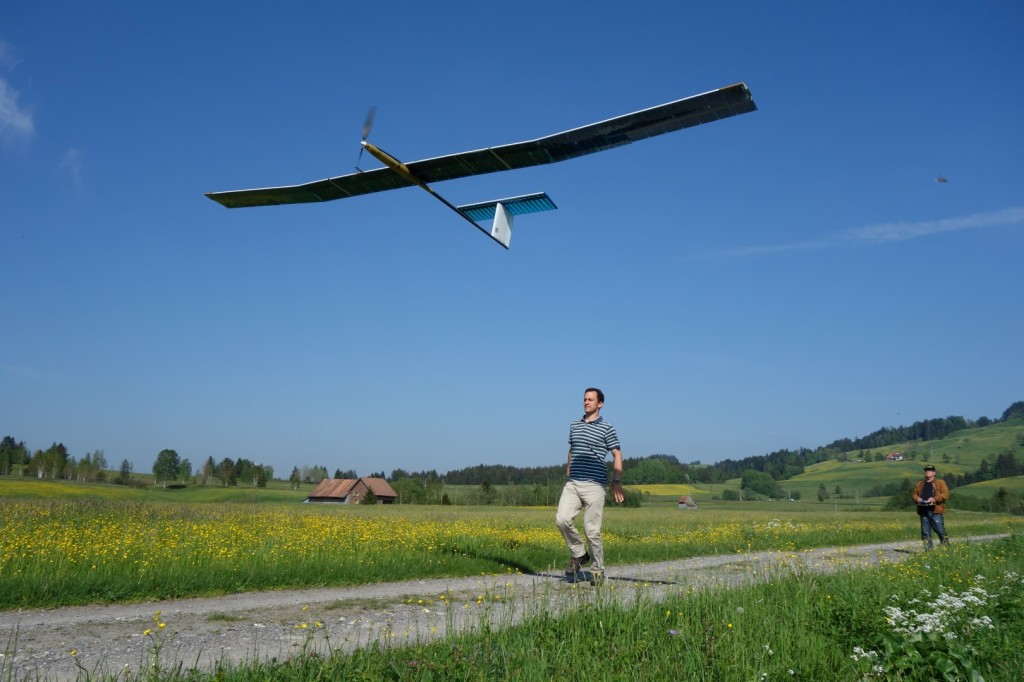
{"x":589,"y":445}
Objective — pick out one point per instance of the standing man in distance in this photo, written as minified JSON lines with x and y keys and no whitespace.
{"x":591,"y":438}
{"x":930,"y":495}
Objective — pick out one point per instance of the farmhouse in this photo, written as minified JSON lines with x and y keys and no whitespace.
{"x":351,"y":491}
{"x":894,"y":457}
{"x":686,"y":502}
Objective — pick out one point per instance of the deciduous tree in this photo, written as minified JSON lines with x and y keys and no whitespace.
{"x":165,"y":468}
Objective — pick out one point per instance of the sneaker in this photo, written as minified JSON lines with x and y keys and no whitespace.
{"x":597,"y":578}
{"x":576,"y":563}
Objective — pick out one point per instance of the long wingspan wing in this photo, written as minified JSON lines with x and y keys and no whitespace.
{"x":596,"y":137}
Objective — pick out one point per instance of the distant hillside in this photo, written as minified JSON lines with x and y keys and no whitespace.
{"x":784,"y":464}
{"x":983,"y":466}
{"x":961,"y":445}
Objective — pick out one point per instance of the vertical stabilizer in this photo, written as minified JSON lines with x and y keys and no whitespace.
{"x":501,"y":229}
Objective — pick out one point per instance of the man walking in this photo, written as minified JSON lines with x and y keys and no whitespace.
{"x":930,"y":495}
{"x":591,"y":438}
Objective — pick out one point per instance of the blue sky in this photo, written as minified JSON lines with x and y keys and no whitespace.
{"x":777,"y":279}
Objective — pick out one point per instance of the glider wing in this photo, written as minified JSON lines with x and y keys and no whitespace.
{"x":596,"y":137}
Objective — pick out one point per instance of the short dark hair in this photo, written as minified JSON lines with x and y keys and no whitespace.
{"x":599,"y":392}
{"x":929,"y":468}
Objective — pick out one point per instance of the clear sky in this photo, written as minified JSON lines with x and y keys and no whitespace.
{"x":774,"y":280}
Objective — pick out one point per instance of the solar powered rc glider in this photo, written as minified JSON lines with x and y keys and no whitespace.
{"x":596,"y":137}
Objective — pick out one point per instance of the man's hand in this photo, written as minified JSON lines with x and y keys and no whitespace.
{"x":617,"y":493}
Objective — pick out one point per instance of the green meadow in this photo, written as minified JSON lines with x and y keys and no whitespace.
{"x":76,"y":543}
{"x":954,"y":614}
{"x":1014,"y":484}
{"x":950,"y":615}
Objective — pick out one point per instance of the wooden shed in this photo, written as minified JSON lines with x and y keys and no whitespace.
{"x":351,"y":491}
{"x":686,"y":502}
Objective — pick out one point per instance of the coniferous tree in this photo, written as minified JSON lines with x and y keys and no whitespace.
{"x":125,"y":475}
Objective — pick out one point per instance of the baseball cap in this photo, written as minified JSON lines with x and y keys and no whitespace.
{"x":929,"y":468}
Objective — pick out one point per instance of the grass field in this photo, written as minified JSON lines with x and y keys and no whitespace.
{"x":63,"y":543}
{"x":14,"y":488}
{"x":953,"y":615}
{"x":1014,"y":484}
{"x":69,"y":550}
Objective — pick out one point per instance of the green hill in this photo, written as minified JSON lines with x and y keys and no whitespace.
{"x":961,"y":453}
{"x":1013,"y":484}
{"x":965,"y":449}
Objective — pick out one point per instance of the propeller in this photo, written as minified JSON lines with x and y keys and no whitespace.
{"x":367,"y":127}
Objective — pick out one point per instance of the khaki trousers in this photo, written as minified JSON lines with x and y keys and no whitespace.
{"x":589,"y":496}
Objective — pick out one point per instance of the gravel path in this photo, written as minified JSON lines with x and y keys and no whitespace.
{"x":38,"y":643}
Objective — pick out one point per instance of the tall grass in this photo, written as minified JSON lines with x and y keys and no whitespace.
{"x":802,"y":627}
{"x":81,"y":551}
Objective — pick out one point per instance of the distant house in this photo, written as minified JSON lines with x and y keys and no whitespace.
{"x":351,"y":491}
{"x":894,"y":457}
{"x":686,"y":502}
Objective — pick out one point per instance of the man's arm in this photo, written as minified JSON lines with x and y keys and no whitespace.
{"x":568,"y":464}
{"x":617,"y":476}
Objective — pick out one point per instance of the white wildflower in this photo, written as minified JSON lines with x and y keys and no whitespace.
{"x":982,"y":622}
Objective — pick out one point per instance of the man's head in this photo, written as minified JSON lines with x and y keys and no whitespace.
{"x":593,"y":399}
{"x":929,"y":472}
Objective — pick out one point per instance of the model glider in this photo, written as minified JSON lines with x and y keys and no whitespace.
{"x":596,"y":137}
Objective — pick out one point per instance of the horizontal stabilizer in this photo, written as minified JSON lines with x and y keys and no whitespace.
{"x":504,"y":211}
{"x":527,"y":203}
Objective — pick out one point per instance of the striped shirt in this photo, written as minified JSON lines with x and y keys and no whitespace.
{"x":589,"y":445}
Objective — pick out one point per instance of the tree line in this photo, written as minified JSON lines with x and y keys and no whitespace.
{"x":55,"y":462}
{"x":170,"y":468}
{"x":779,"y":465}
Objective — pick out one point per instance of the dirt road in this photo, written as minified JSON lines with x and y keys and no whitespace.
{"x":59,"y":644}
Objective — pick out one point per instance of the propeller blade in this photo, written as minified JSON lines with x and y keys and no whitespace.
{"x":368,"y":125}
